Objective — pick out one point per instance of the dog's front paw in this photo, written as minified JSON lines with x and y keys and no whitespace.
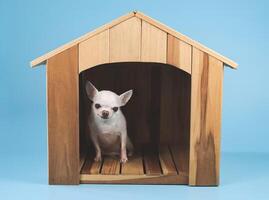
{"x":123,"y":160}
{"x":98,"y":158}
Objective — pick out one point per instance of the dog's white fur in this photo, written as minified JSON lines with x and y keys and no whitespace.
{"x":108,"y":129}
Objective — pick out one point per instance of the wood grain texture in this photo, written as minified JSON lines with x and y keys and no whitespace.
{"x":207,"y":77}
{"x":181,"y":158}
{"x":94,"y":51}
{"x":152,"y":164}
{"x":63,"y":119}
{"x":82,"y":160}
{"x":152,"y":168}
{"x":85,"y":146}
{"x":111,"y":166}
{"x":125,"y":41}
{"x":134,"y":179}
{"x":166,"y":160}
{"x":134,"y":166}
{"x":90,"y":166}
{"x":154,"y":105}
{"x":154,"y":43}
{"x":179,"y":54}
{"x":138,"y":112}
{"x":175,"y":107}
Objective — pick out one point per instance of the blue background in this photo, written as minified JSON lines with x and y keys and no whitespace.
{"x":236,"y":29}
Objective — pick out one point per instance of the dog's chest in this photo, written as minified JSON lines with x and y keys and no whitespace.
{"x":108,"y":138}
{"x":107,"y":128}
{"x":109,"y":142}
{"x":108,"y":133}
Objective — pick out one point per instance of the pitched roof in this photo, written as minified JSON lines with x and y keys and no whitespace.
{"x":42,"y":59}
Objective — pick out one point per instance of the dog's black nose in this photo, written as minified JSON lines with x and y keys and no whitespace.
{"x":105,"y":114}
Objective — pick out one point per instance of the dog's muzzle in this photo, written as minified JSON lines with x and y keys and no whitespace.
{"x":105,"y":114}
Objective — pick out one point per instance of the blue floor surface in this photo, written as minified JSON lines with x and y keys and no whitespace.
{"x":243,"y":176}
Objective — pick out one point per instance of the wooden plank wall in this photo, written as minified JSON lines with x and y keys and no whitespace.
{"x":175,"y":89}
{"x":134,"y":40}
{"x":154,"y":43}
{"x":63,"y":125}
{"x":179,"y":54}
{"x":175,"y":112}
{"x":94,"y":51}
{"x":124,"y":41}
{"x":207,"y":78}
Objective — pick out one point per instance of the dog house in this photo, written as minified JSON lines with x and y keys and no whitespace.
{"x":173,"y":118}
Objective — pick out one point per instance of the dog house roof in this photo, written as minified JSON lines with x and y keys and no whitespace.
{"x":42,"y":59}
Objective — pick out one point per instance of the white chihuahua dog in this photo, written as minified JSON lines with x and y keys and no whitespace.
{"x":108,"y":129}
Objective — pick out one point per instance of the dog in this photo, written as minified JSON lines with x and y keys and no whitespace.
{"x":107,"y":124}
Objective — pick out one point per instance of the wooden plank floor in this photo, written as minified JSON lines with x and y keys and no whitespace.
{"x":142,"y":168}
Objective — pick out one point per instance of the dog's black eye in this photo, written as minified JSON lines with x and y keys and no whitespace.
{"x":97,"y":105}
{"x":115,"y":109}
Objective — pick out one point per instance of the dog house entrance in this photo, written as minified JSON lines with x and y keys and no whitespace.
{"x":158,"y":124}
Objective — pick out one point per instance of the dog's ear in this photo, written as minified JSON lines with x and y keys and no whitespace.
{"x":125,"y":97}
{"x":91,"y":90}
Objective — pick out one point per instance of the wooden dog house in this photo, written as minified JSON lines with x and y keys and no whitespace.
{"x":174,"y":116}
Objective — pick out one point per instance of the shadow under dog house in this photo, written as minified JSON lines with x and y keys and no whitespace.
{"x":173,"y":118}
